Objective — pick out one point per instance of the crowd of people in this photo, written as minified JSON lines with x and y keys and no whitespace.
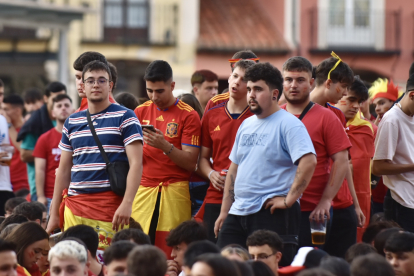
{"x":209,"y":183}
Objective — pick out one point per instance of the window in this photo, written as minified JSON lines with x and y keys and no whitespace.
{"x":126,"y":13}
{"x":126,"y":21}
{"x":337,"y":12}
{"x":351,"y":23}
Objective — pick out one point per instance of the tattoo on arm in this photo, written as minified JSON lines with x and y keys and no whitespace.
{"x":302,"y":183}
{"x":231,"y":190}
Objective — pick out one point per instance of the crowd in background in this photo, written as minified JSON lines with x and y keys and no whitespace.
{"x":209,"y":182}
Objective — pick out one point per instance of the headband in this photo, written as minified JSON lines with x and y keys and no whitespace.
{"x":336,"y":64}
{"x":237,"y":59}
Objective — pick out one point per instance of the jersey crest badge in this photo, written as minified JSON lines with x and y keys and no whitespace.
{"x":172,"y":130}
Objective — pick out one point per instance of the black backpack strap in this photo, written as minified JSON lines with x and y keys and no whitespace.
{"x":307,"y":108}
{"x":98,"y":142}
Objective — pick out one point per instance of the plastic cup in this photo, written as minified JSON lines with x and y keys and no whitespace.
{"x":318,"y":230}
{"x":9,"y":150}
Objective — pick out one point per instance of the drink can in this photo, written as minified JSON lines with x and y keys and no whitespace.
{"x":224,"y":172}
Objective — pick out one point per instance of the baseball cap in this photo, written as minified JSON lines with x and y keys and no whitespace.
{"x":307,"y":257}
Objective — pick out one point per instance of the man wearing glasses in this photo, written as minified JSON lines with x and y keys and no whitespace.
{"x":82,"y":170}
{"x":266,"y":246}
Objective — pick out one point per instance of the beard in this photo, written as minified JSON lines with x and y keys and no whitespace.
{"x":297,"y":101}
{"x":257,"y":110}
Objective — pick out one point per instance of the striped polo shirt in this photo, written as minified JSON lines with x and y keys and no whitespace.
{"x":116,"y":127}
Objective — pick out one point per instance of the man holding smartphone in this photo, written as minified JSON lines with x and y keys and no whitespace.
{"x":170,"y":155}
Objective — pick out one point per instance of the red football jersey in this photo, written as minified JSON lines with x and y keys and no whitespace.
{"x":84,"y":103}
{"x":47,"y":148}
{"x":18,"y":170}
{"x":218,"y":130}
{"x":216,"y":100}
{"x":181,"y":125}
{"x":343,"y":198}
{"x":328,"y":137}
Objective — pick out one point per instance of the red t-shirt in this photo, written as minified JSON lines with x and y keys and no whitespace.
{"x":218,"y":130}
{"x":181,"y":126}
{"x":328,"y":137}
{"x":84,"y":103}
{"x":216,"y":100}
{"x":47,"y":148}
{"x":18,"y":171}
{"x":343,"y":198}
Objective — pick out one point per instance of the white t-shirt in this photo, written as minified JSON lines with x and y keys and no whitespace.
{"x":5,"y":184}
{"x":395,"y":142}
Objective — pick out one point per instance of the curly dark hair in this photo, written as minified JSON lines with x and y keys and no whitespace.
{"x":188,"y":231}
{"x":267,"y":72}
{"x":263,"y":237}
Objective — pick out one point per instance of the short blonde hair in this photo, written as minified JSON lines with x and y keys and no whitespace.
{"x":69,"y":249}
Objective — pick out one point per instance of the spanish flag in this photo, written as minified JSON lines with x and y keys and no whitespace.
{"x":175,"y":208}
{"x":361,"y":135}
{"x":96,"y":210}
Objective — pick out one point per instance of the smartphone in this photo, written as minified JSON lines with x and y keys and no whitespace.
{"x":149,"y":127}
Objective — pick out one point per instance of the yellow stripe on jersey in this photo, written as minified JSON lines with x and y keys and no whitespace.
{"x":195,"y":140}
{"x":183,"y":106}
{"x":220,"y":97}
{"x":147,"y":103}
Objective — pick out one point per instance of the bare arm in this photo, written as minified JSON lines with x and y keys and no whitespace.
{"x":40,"y":168}
{"x":304,"y":174}
{"x":13,"y":138}
{"x":62,"y":182}
{"x":185,"y":158}
{"x":26,"y":155}
{"x":386,"y":167}
{"x":123,"y":213}
{"x":204,"y":169}
{"x":336,"y":178}
{"x":349,"y":178}
{"x":228,"y":196}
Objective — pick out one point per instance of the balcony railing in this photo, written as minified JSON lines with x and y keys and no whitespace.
{"x":355,"y":31}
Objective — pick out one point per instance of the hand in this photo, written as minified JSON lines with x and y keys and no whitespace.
{"x":2,"y":163}
{"x":277,"y":202}
{"x":42,"y":199}
{"x":156,"y":139}
{"x":217,"y":181}
{"x":219,"y":222}
{"x":321,"y":210}
{"x":172,"y":268}
{"x":360,"y":216}
{"x":377,"y":120}
{"x":121,"y":216}
{"x":53,"y":223}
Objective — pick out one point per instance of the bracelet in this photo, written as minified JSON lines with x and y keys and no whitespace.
{"x":284,"y":201}
{"x":172,"y":147}
{"x":209,"y":175}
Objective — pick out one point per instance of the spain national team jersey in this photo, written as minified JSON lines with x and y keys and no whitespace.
{"x":219,"y":131}
{"x":181,"y":126}
{"x":343,"y":198}
{"x":216,"y":100}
